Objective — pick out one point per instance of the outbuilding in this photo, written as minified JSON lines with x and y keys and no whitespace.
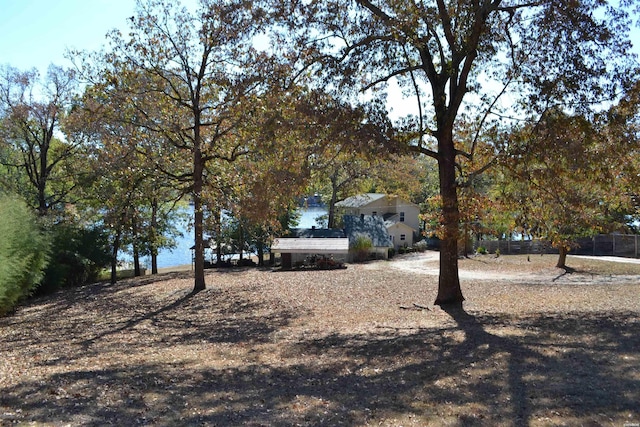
{"x":295,"y":250}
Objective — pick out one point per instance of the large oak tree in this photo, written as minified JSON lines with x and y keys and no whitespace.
{"x":189,"y":78}
{"x":488,"y":59}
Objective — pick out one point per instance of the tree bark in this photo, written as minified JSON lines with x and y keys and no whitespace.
{"x":331,"y":223}
{"x":241,"y":242}
{"x":198,"y":220}
{"x":260,"y":250}
{"x":136,"y":252}
{"x":114,"y":256}
{"x":154,"y":237}
{"x":449,"y":292}
{"x":562,"y":258}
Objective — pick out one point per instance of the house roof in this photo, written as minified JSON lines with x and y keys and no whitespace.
{"x":369,"y":225}
{"x":360,"y":200}
{"x":316,"y":232}
{"x":398,"y":224}
{"x":305,"y":245}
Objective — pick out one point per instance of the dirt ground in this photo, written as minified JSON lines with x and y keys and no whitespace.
{"x":534,"y":346}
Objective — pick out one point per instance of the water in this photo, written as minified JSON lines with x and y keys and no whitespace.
{"x":308,"y":216}
{"x":182,"y":254}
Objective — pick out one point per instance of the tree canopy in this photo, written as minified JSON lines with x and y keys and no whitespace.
{"x":239,"y":106}
{"x":486,"y":60}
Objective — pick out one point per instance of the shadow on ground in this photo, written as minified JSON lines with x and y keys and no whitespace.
{"x":474,"y":370}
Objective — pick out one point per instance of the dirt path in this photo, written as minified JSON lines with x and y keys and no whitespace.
{"x":426,"y":263}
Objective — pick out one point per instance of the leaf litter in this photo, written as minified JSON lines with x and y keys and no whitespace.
{"x":534,"y":346}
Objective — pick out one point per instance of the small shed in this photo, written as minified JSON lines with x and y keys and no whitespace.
{"x":300,"y":247}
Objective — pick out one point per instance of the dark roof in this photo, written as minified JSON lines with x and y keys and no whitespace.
{"x":369,"y":225}
{"x":316,"y":233}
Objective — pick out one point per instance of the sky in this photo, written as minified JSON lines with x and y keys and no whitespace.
{"x":36,"y":33}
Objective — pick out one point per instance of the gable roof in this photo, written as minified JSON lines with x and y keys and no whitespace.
{"x":398,"y":224}
{"x":360,"y":200}
{"x":369,"y":225}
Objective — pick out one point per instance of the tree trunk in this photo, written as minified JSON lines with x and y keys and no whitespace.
{"x":562,"y":258}
{"x":114,"y":256}
{"x":331,"y":223}
{"x":449,"y":292}
{"x":218,"y":226}
{"x":198,"y":220}
{"x":42,"y":176}
{"x":260,"y":250}
{"x":154,"y":237}
{"x":241,"y":242}
{"x":136,"y":251}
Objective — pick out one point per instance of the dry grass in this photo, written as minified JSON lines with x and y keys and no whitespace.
{"x":535,"y":346}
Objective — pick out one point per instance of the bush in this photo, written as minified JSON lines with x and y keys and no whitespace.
{"x":24,"y":252}
{"x":421,"y":246}
{"x":361,"y":246}
{"x":78,"y":256}
{"x":481,"y":250}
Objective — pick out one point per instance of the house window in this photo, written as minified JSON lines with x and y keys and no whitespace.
{"x":401,"y":216}
{"x":403,"y":237}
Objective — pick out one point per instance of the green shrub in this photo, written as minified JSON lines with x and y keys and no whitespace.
{"x":78,"y":256}
{"x":481,"y":250}
{"x":24,"y":252}
{"x":361,"y":247}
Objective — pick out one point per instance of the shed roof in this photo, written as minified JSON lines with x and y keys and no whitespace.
{"x":311,"y":246}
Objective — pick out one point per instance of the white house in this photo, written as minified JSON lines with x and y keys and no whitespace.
{"x":400,"y":216}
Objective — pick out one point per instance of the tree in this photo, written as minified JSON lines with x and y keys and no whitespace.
{"x":463,"y":57}
{"x":561,"y":180}
{"x":24,"y":252}
{"x":622,"y":138}
{"x":189,"y":78}
{"x":345,"y":143}
{"x":32,"y":114}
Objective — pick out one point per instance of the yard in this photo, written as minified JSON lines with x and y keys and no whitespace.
{"x":361,"y":346}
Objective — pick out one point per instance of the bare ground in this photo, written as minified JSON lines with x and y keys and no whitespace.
{"x":535,"y":346}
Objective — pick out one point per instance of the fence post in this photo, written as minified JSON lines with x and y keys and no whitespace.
{"x":613,"y":237}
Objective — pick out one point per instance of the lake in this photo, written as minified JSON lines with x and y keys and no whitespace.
{"x":181,"y":254}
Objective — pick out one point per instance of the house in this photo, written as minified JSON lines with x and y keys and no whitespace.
{"x":400,"y":216}
{"x":374,"y":228}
